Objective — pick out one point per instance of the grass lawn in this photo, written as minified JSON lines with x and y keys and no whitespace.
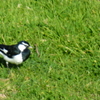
{"x":67,"y":35}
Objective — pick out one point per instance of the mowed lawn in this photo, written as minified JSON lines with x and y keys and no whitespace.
{"x":65,"y":59}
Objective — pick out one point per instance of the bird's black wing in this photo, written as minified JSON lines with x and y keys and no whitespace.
{"x":2,"y":49}
{"x":10,"y":51}
{"x":2,"y":46}
{"x":13,"y":50}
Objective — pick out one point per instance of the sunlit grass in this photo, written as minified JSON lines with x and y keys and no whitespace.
{"x":67,"y":34}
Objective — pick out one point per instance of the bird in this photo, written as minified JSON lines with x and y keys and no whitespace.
{"x":15,"y":54}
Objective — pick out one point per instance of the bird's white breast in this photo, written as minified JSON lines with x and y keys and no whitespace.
{"x":17,"y":59}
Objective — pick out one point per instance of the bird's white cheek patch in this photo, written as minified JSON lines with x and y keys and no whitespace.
{"x":21,"y":47}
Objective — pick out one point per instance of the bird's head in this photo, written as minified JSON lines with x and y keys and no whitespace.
{"x":22,"y":45}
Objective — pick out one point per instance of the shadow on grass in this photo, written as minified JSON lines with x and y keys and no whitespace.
{"x":3,"y":62}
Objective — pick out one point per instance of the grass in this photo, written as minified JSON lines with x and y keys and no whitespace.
{"x":67,"y":35}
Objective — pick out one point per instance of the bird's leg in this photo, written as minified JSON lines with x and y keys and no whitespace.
{"x":8,"y":67}
{"x":7,"y":64}
{"x":18,"y":67}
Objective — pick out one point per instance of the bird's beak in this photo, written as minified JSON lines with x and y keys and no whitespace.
{"x":30,"y":47}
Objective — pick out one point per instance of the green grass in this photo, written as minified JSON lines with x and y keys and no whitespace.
{"x":67,"y":33}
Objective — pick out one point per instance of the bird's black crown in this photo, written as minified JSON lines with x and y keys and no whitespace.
{"x":24,"y":43}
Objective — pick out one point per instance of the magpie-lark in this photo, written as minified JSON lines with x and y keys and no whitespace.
{"x":15,"y":54}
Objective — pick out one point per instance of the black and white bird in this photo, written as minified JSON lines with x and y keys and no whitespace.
{"x":15,"y":54}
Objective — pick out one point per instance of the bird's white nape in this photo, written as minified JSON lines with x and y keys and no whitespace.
{"x":21,"y":47}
